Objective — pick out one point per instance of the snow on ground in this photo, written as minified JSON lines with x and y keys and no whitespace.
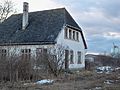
{"x":45,"y":81}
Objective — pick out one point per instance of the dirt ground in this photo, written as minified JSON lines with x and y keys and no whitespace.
{"x":82,"y":80}
{"x":86,"y":80}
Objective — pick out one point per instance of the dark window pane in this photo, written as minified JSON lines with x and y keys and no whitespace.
{"x":77,"y":35}
{"x":74,"y":35}
{"x":66,"y":34}
{"x":71,"y":57}
{"x":70,"y":34}
{"x":79,"y":58}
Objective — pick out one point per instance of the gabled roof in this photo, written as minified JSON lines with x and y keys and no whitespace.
{"x":44,"y":27}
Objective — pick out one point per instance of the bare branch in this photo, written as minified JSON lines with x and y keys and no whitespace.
{"x":6,"y":9}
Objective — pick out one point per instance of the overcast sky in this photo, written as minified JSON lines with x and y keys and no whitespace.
{"x":99,"y":19}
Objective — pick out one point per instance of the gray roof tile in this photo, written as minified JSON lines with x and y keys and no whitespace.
{"x":43,"y":27}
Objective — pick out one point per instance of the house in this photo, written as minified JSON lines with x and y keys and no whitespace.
{"x":34,"y":31}
{"x":115,"y":51}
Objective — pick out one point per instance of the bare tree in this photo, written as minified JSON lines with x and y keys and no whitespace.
{"x":6,"y":9}
{"x":13,"y":66}
{"x":16,"y":65}
{"x":56,"y":60}
{"x":52,"y":60}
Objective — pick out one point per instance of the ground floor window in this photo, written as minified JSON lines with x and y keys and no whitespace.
{"x":26,"y":54}
{"x":79,"y":57}
{"x":3,"y":54}
{"x":71,"y":57}
{"x":41,"y":53}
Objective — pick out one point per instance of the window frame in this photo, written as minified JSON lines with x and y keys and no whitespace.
{"x":70,"y":33}
{"x":66,"y":32}
{"x":73,"y":35}
{"x":77,"y":36}
{"x":79,"y":53}
{"x":71,"y":57}
{"x":3,"y":54}
{"x":25,"y":54}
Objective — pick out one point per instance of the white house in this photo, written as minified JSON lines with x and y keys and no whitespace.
{"x":31,"y":32}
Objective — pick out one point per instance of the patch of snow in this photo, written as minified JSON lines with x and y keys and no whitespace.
{"x":109,"y":82}
{"x":104,"y":69}
{"x":45,"y":81}
{"x":98,"y":88}
{"x":118,"y":68}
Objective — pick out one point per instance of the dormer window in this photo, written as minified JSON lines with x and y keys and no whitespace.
{"x":66,"y":32}
{"x":77,"y":36}
{"x":71,"y":34}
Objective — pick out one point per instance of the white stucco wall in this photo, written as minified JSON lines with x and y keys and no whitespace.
{"x":75,"y":46}
{"x":17,"y":48}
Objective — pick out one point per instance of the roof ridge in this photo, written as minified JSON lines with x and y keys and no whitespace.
{"x":62,"y":8}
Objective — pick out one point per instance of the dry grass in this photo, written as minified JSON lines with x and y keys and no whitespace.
{"x":83,"y":80}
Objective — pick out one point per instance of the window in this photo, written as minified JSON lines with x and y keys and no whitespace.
{"x":66,"y":32}
{"x":66,"y":59}
{"x":74,"y":35}
{"x":71,"y":57}
{"x":26,"y":54}
{"x":3,"y":54}
{"x":77,"y":36}
{"x":25,"y":51}
{"x":70,"y":34}
{"x":79,"y":58}
{"x":44,"y":50}
{"x":40,"y":52}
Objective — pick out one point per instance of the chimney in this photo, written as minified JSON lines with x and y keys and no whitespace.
{"x":25,"y":15}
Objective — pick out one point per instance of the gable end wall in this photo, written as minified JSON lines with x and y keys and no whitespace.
{"x":75,"y":46}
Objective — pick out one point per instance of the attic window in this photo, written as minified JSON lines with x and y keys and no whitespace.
{"x":77,"y":36}
{"x":70,"y":34}
{"x":66,"y":32}
{"x":74,"y":35}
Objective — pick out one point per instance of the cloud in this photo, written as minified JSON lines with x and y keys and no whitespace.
{"x":111,"y":7}
{"x":37,"y":5}
{"x":99,"y":19}
{"x":111,"y":35}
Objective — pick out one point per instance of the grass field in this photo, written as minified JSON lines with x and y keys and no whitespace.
{"x":83,"y":80}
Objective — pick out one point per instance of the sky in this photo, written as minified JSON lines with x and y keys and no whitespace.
{"x":99,"y":19}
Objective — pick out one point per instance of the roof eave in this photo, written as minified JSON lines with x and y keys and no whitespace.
{"x":29,"y":43}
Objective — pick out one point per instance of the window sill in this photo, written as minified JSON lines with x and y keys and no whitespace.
{"x":72,"y":39}
{"x":79,"y":63}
